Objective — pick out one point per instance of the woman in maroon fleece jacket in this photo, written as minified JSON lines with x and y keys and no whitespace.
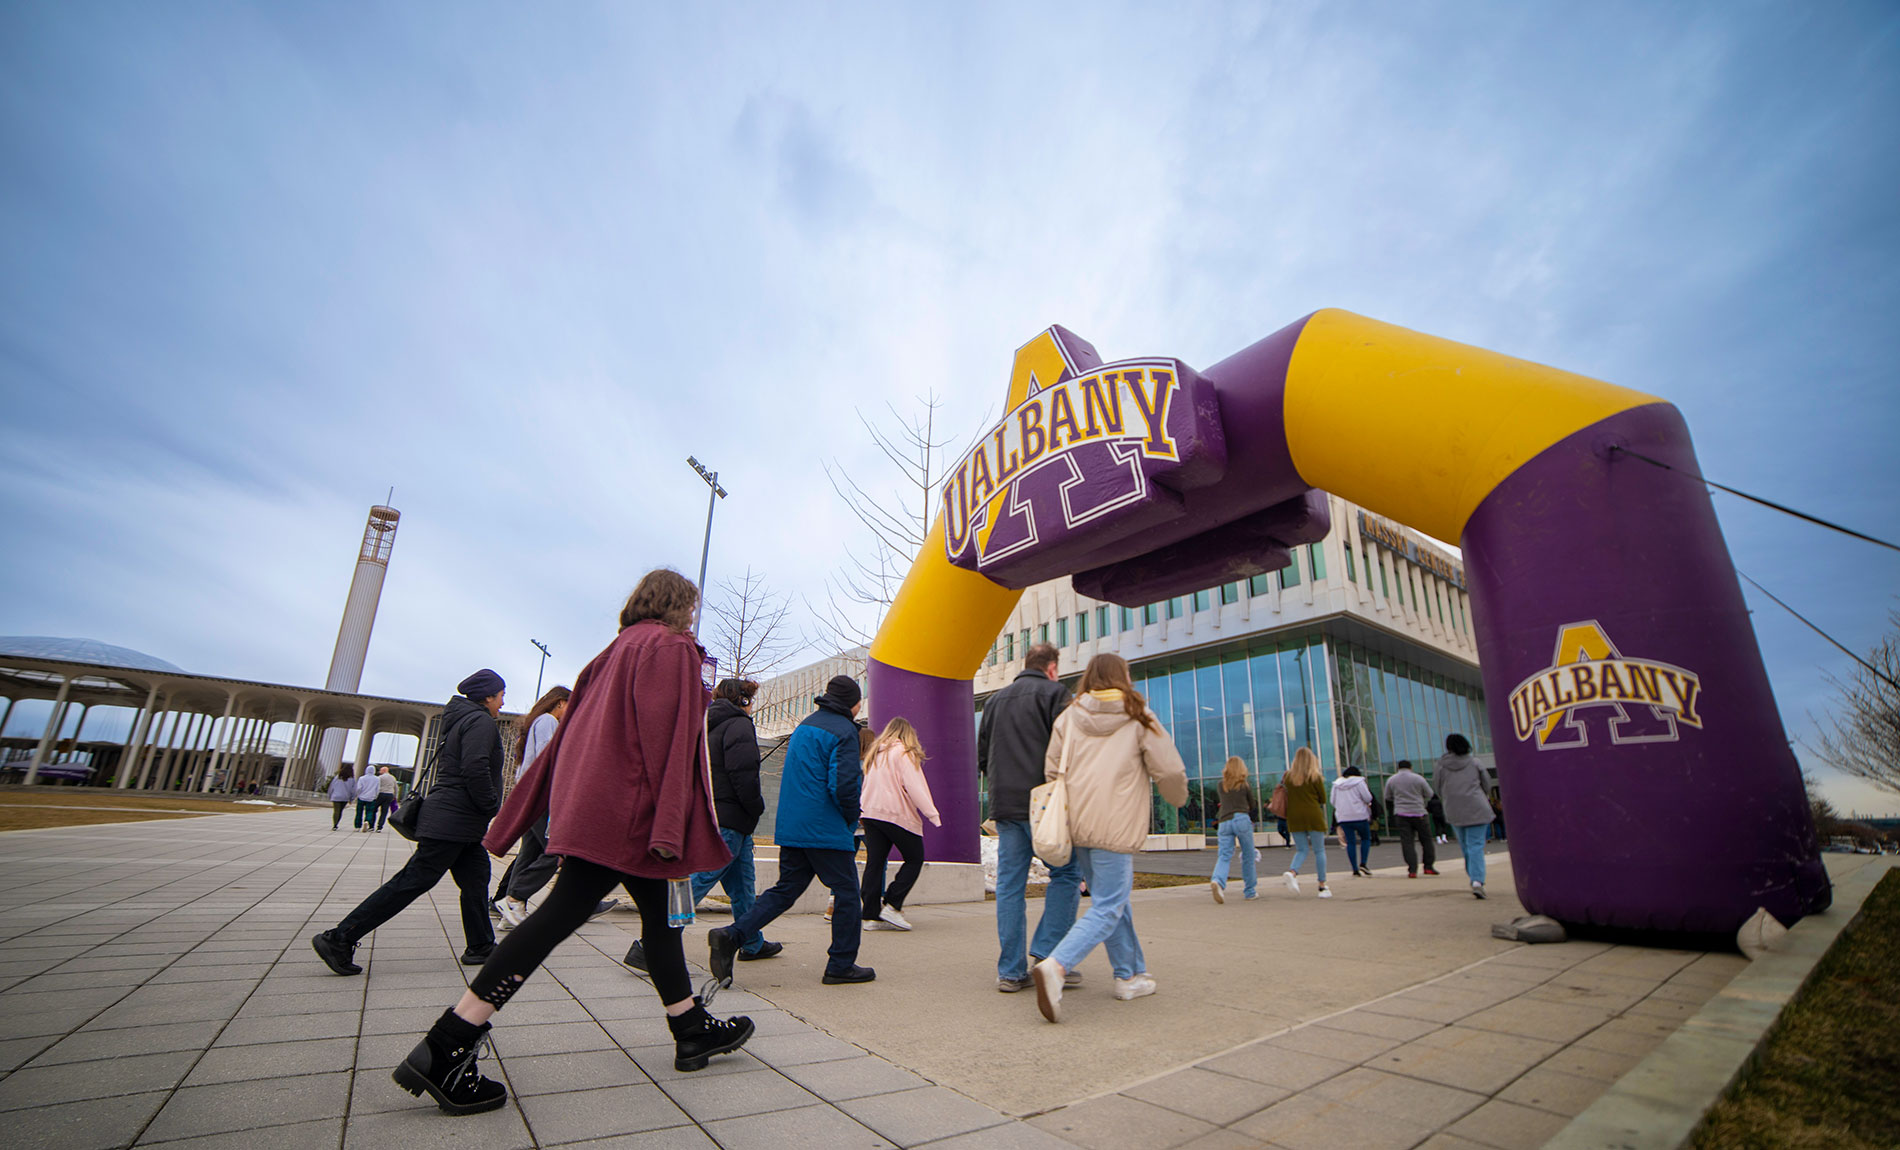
{"x":627,"y":787}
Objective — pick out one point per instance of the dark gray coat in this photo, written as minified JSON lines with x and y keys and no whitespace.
{"x":1013,"y":738}
{"x":467,"y":790}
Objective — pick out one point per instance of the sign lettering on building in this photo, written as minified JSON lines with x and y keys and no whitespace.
{"x":1388,"y":535}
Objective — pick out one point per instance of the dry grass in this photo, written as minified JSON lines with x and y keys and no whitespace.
{"x":35,"y":808}
{"x":1827,"y":1074}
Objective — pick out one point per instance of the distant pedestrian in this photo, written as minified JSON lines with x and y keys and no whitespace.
{"x":1238,"y":805}
{"x":533,"y":866}
{"x":1406,"y":794}
{"x":1280,"y":828}
{"x":369,"y":796}
{"x":1109,"y":747}
{"x":1012,"y":742}
{"x":1497,"y":808}
{"x":1306,"y":818}
{"x":386,"y":788}
{"x":455,"y":814}
{"x":896,"y":803}
{"x":342,"y":793}
{"x":1462,"y":784}
{"x":1352,"y":806}
{"x":624,"y":780}
{"x":817,"y":811}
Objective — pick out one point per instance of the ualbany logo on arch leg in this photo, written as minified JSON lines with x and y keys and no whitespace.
{"x":1588,"y":671}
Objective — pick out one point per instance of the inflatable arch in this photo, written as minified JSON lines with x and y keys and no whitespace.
{"x":1650,"y":784}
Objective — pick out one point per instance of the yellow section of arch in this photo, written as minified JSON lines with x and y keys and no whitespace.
{"x":1421,"y":429}
{"x":944,"y":618}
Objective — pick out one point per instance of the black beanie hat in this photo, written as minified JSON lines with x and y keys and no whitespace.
{"x":481,"y":685}
{"x":843,"y":691}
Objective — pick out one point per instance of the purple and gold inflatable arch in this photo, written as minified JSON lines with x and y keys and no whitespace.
{"x":1649,"y":782}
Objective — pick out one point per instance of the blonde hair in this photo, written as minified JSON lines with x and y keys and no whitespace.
{"x":1235,"y":776}
{"x":1305,"y":768}
{"x":898,"y":732}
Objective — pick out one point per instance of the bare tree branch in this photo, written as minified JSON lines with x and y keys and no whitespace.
{"x":749,"y":631}
{"x":1862,"y":738}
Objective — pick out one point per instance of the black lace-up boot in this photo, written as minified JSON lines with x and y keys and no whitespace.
{"x":443,"y":1063}
{"x":697,"y":1036}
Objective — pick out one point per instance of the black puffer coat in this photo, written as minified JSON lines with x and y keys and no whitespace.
{"x":467,"y":790}
{"x":734,"y":746}
{"x":1013,"y":737}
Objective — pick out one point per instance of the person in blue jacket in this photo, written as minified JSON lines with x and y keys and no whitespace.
{"x":816,"y":835}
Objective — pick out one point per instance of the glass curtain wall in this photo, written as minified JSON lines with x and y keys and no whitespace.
{"x":1389,"y":710}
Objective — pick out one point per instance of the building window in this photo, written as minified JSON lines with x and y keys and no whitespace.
{"x":1009,"y":648}
{"x":1082,"y":627}
{"x":1290,"y":574}
{"x":1318,"y":557}
{"x":1025,"y":635}
{"x":1202,"y":600}
{"x":1260,"y":584}
{"x":1101,"y":622}
{"x":1176,"y":607}
{"x":1351,"y":575}
{"x":992,"y":659}
{"x":1062,"y":631}
{"x":1150,"y":614}
{"x":1230,"y":592}
{"x":1385,"y":586}
{"x":1042,"y":632}
{"x":1128,"y":618}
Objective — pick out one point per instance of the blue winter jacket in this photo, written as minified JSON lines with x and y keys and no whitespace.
{"x":818,"y":797}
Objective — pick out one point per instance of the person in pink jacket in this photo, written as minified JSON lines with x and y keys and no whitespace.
{"x":894,"y":804}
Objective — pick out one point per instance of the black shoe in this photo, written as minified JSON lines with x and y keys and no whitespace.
{"x":855,"y":974}
{"x":636,"y":957}
{"x":335,"y":953}
{"x":724,"y":943}
{"x":444,"y":1064}
{"x":476,"y":957}
{"x":697,"y":1036}
{"x":769,"y":950}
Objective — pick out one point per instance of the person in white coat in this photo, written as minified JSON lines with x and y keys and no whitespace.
{"x":1352,"y":807}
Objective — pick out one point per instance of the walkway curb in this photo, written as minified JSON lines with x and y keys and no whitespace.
{"x":1661,"y":1101}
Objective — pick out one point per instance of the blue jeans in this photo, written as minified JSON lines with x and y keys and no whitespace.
{"x":1358,"y":841}
{"x":739,"y":877}
{"x":1110,"y":921}
{"x":1013,"y":851}
{"x":1237,"y":834}
{"x":1471,"y":842}
{"x":1314,"y":841}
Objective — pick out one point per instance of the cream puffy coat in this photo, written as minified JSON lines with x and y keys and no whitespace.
{"x":1111,"y":762}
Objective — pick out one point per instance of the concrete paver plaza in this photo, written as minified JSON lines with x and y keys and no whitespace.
{"x":157,"y":987}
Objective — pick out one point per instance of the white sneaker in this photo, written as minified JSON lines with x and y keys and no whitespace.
{"x":1048,"y":977}
{"x":1324,"y":893}
{"x":1292,"y":881}
{"x":1140,"y":986}
{"x":513,"y":913}
{"x":891,"y":918}
{"x":878,"y":924}
{"x":1220,"y":896}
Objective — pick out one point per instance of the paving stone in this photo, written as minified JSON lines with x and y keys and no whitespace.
{"x":135,"y":1074}
{"x":1653,"y":1007}
{"x":1339,"y":1045}
{"x":671,"y":1138}
{"x":1606,"y":1066}
{"x":1117,"y":1122}
{"x":846,"y":1078}
{"x":199,"y":1110}
{"x":273,"y":1060}
{"x":551,"y":1038}
{"x":1223,"y":1140}
{"x":264,"y":1004}
{"x":1509,"y":1126}
{"x":16,"y":1023}
{"x":520,"y":1013}
{"x":289,"y":1028}
{"x":1378,"y":1025}
{"x":813,"y":1128}
{"x":92,"y":1045}
{"x":584,"y":1070}
{"x":323,"y":1134}
{"x":793,"y":1049}
{"x":736,"y":1095}
{"x":1558,"y":1022}
{"x":657,"y":1062}
{"x":578,"y":1115}
{"x":1629,"y":1035}
{"x":1309,"y":1122}
{"x":1289,"y":1069}
{"x":916,"y":1116}
{"x":1479,"y":1060}
{"x":423,"y":1127}
{"x":98,"y":1124}
{"x":1443,"y":1141}
{"x":46,"y":984}
{"x":1217,"y":1098}
{"x":1555,"y":1091}
{"x":15,"y":1052}
{"x":1432,"y":1004}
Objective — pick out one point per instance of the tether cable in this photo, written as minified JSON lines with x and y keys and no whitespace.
{"x":1871,"y":669}
{"x":1764,"y":503}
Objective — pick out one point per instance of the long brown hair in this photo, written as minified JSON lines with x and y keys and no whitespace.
{"x":543,"y":706}
{"x":898,"y":732}
{"x":1304,"y":769}
{"x":1235,"y":776}
{"x":1110,"y":673}
{"x":663,"y":594}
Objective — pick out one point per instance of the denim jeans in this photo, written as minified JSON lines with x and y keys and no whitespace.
{"x":1471,"y":842}
{"x":1358,"y":841}
{"x":1013,"y":851}
{"x":740,"y":879}
{"x":1110,"y":921}
{"x":1314,"y":841}
{"x":1237,"y":834}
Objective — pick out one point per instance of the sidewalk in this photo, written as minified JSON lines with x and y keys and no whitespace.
{"x":157,"y":987}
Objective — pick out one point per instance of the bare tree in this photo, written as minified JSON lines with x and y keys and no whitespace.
{"x":750,"y":633}
{"x":1862,"y":737}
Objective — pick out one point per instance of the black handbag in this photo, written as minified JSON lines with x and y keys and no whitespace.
{"x":408,"y":813}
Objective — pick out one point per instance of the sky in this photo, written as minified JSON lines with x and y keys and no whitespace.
{"x":260,"y":263}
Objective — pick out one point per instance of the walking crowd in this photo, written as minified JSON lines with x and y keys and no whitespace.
{"x":636,"y":780}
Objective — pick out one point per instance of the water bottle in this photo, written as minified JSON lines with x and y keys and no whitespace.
{"x":679,"y":902}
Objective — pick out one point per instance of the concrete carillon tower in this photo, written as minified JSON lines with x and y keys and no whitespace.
{"x":359,"y":615}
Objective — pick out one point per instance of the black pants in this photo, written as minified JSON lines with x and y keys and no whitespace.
{"x":533,"y":866}
{"x":797,"y":866}
{"x":467,"y":862}
{"x":384,"y":805}
{"x":1419,"y":827}
{"x":576,"y":893}
{"x":337,"y":817}
{"x":879,"y":838}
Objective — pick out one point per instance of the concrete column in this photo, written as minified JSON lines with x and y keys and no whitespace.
{"x":161,"y":736}
{"x":293,"y":761}
{"x":210,"y":767}
{"x":138,"y":738}
{"x":363,"y":740}
{"x":194,"y":753}
{"x":162,"y":765}
{"x":52,"y":730}
{"x":8,"y":717}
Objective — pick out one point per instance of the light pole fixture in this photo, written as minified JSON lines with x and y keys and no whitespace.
{"x":544,"y":666}
{"x":712,"y":501}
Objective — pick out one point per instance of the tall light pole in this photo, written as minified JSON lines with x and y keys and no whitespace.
{"x":544,"y":667}
{"x":712,"y":501}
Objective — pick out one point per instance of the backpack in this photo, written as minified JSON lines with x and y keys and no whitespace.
{"x":1276,"y":805}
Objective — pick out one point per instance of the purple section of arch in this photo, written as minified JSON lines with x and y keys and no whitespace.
{"x":944,"y":713}
{"x":1686,"y":835}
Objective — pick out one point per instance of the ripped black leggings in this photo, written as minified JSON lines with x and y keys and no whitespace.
{"x":578,"y":889}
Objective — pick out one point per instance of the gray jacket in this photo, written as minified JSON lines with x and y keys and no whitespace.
{"x":1407,"y":792}
{"x":1466,"y":789}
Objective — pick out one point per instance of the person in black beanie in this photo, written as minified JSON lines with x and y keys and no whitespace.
{"x":816,"y":835}
{"x":455,"y":814}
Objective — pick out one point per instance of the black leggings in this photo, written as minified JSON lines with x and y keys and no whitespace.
{"x":337,"y":816}
{"x":578,"y":889}
{"x":879,"y":838}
